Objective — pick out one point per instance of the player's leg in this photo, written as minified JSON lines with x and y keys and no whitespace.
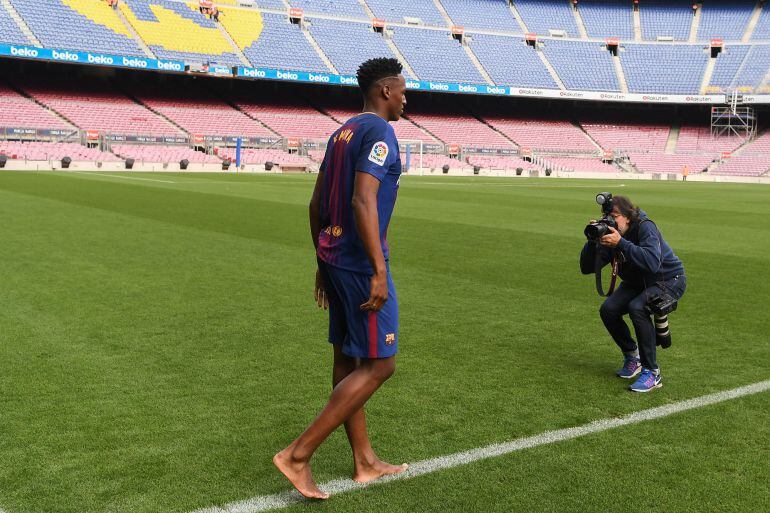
{"x":348,"y":396}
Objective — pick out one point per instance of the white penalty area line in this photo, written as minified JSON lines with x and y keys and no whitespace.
{"x":336,"y":487}
{"x":90,"y":173}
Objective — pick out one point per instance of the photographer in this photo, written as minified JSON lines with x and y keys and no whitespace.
{"x":649,"y":269}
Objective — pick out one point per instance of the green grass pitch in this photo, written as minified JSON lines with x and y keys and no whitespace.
{"x":159,"y":343}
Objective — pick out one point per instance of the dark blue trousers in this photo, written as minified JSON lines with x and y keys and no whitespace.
{"x":632,"y":301}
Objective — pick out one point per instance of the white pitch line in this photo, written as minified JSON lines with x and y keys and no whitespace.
{"x":90,"y":173}
{"x":285,"y":499}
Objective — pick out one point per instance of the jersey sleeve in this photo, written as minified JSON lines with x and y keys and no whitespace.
{"x":378,"y":151}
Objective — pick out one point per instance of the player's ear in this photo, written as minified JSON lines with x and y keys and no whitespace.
{"x":386,"y":91}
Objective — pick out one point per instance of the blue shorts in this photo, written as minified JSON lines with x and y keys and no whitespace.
{"x":361,"y":334}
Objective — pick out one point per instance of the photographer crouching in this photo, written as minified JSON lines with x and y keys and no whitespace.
{"x":653,"y":281}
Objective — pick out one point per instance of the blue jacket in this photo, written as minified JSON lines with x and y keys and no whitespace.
{"x":644,"y":256}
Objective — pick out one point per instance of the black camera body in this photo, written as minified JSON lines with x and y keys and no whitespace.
{"x":662,"y":303}
{"x":598,"y":229}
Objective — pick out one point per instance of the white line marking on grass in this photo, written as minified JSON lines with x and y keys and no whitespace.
{"x":285,"y":499}
{"x":90,"y":173}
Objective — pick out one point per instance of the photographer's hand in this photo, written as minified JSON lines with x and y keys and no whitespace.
{"x":612,"y":239}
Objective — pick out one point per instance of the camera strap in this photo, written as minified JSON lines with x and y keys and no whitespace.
{"x":598,"y":273}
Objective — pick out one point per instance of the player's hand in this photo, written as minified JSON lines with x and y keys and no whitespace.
{"x":612,"y":239}
{"x":319,"y":291}
{"x":378,"y":294}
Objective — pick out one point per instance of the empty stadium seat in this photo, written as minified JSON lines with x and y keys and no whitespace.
{"x":175,"y":30}
{"x":347,"y":44}
{"x":607,"y":18}
{"x":334,"y":7}
{"x":460,"y":129}
{"x":725,"y":19}
{"x":435,"y":55}
{"x":53,"y":151}
{"x":162,"y":154}
{"x":673,"y":69}
{"x":728,"y":63}
{"x":424,"y":10}
{"x":283,"y":45}
{"x":743,"y":166}
{"x":10,"y":33}
{"x":667,"y":18}
{"x":658,"y":163}
{"x":99,"y":108}
{"x":549,"y":135}
{"x":582,"y":66}
{"x":89,"y":25}
{"x":484,"y":14}
{"x":509,"y":61}
{"x":21,"y":112}
{"x":292,"y":120}
{"x":260,"y":156}
{"x":541,"y":16}
{"x":629,"y":138}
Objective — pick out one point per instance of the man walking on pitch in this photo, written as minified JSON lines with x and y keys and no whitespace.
{"x":350,"y":211}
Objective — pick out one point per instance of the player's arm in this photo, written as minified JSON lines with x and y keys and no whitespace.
{"x":315,"y":209}
{"x":368,"y":225}
{"x":319,"y":290}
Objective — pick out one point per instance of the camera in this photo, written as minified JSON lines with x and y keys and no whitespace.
{"x":598,"y":229}
{"x":661,"y":304}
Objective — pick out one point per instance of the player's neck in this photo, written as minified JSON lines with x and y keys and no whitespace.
{"x":371,"y":109}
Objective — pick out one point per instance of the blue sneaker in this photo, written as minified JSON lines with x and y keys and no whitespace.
{"x":631,"y":367}
{"x":647,"y":381}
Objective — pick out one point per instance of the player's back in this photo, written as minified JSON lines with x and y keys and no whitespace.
{"x":365,"y":143}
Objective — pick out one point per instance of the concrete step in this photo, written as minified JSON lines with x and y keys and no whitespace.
{"x":673,"y":138}
{"x":236,"y":49}
{"x":16,"y":17}
{"x":752,"y":23}
{"x":146,"y":49}
{"x":695,"y":24}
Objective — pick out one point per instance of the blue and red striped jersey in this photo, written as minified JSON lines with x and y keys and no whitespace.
{"x":365,"y":144}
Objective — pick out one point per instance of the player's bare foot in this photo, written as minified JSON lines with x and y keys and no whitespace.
{"x":298,"y":473}
{"x":367,"y":473}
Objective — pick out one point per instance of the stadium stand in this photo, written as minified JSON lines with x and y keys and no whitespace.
{"x":261,"y":156}
{"x":547,"y":135}
{"x":584,"y":165}
{"x":504,"y":58}
{"x":629,"y":138}
{"x":162,"y":154}
{"x":507,"y":163}
{"x":582,"y":66}
{"x":541,"y":16}
{"x":77,"y":25}
{"x":657,"y":163}
{"x":666,"y":18}
{"x":21,"y":112}
{"x":334,"y":7}
{"x":436,"y":161}
{"x":337,"y":39}
{"x":424,"y":10}
{"x":420,"y":48}
{"x":607,"y":18}
{"x":281,"y":45}
{"x":729,"y":62}
{"x":460,"y":129}
{"x":202,"y":115}
{"x":753,"y":70}
{"x":762,"y":30}
{"x":9,"y":31}
{"x":292,"y":119}
{"x":404,"y":128}
{"x":53,"y":151}
{"x":759,"y":146}
{"x":673,"y":69}
{"x":102,"y":109}
{"x":174,"y":30}
{"x":482,"y":14}
{"x":743,"y":166}
{"x":725,"y":19}
{"x":698,"y":139}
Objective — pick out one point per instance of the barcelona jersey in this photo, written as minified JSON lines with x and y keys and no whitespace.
{"x":367,"y":144}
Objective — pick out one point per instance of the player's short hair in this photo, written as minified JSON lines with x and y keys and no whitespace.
{"x":373,"y":70}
